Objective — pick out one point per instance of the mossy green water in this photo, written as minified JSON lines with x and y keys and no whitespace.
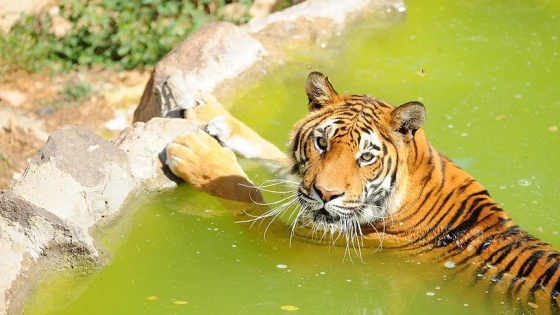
{"x":487,"y":72}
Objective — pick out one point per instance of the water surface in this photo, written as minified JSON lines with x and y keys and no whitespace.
{"x":487,"y":72}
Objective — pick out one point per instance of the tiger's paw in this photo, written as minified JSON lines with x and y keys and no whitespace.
{"x":198,"y":107}
{"x":243,"y":140}
{"x":201,"y":161}
{"x":206,"y":109}
{"x":226,"y":130}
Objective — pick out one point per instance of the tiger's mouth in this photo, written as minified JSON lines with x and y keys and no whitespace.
{"x":345,"y":219}
{"x":322,"y":220}
{"x":322,"y":215}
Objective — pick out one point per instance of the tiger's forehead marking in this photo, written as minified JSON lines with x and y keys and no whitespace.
{"x":327,"y":128}
{"x":358,"y":122}
{"x":370,"y":141}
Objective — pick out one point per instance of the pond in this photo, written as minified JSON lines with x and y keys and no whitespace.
{"x":487,"y":72}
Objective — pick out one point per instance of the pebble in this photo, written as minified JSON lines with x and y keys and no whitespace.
{"x":119,"y":122}
{"x":14,"y":97}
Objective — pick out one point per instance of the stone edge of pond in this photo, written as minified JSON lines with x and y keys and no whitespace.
{"x":79,"y":182}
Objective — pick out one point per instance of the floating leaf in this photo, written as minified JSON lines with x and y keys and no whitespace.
{"x":289,"y":308}
{"x":533,"y":305}
{"x":152,"y":298}
{"x":180,"y":302}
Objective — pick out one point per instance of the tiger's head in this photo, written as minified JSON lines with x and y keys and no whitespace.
{"x":351,"y":153}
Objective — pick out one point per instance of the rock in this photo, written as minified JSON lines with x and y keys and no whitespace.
{"x":261,"y":8}
{"x":333,"y":10}
{"x":79,"y":177}
{"x":316,"y":21}
{"x":83,"y":179}
{"x":11,"y":118}
{"x":210,"y":58}
{"x":215,"y":53}
{"x":28,"y":233}
{"x":144,"y":143}
{"x":338,"y":12}
{"x":14,"y":97}
{"x":76,"y":182}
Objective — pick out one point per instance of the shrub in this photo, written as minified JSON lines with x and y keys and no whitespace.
{"x":111,"y":33}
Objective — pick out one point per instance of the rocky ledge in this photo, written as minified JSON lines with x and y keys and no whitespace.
{"x":79,"y":182}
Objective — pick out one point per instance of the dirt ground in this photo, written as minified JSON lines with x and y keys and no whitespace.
{"x":33,"y":105}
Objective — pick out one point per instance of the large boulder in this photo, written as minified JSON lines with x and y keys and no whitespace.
{"x":144,"y":144}
{"x":83,"y":178}
{"x":316,"y":21}
{"x":215,"y":53}
{"x":77,"y":176}
{"x":77,"y":181}
{"x":27,"y":233}
{"x":209,"y":59}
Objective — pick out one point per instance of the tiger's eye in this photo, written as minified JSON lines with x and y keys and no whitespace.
{"x":366,"y":157}
{"x":322,"y":143}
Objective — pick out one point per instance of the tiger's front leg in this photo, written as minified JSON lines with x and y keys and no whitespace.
{"x":205,"y":112}
{"x":206,"y":158}
{"x":234,"y":134}
{"x":201,"y":161}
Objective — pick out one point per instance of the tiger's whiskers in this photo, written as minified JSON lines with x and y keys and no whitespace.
{"x":278,"y":207}
{"x":292,"y":207}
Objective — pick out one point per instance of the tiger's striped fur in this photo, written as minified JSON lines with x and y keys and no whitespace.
{"x":367,"y":169}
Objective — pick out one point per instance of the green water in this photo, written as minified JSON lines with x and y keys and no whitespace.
{"x":488,"y":73}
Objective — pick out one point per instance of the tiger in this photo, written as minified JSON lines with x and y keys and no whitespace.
{"x":366,"y":170}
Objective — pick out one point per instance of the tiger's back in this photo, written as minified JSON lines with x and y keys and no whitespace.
{"x":455,"y":217}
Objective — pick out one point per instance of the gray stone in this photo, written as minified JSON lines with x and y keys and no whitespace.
{"x":215,"y":53}
{"x":218,"y":53}
{"x":77,"y":181}
{"x":144,"y":143}
{"x":315,"y":12}
{"x":28,"y":233}
{"x":79,"y":177}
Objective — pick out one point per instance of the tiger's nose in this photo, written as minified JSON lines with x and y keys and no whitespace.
{"x":327,"y":195}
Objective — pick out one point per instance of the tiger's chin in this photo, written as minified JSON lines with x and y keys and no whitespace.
{"x":353,"y":218}
{"x":351,"y":224}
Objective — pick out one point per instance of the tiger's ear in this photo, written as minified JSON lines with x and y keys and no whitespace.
{"x":319,"y":91}
{"x":408,"y":118}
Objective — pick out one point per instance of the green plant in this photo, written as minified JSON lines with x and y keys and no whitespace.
{"x":76,"y":92}
{"x":72,"y":94}
{"x":24,"y":47}
{"x":111,"y":33}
